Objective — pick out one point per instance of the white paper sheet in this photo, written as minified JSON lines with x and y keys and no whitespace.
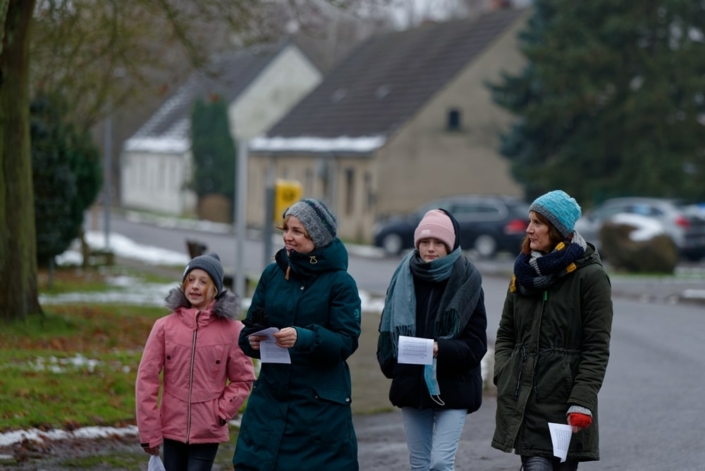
{"x":560,"y":438}
{"x":415,"y":351}
{"x":269,"y":351}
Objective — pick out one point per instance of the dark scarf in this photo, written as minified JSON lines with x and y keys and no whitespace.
{"x":536,"y":272}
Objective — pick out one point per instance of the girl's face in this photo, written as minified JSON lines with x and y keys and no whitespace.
{"x":432,"y":249}
{"x":199,"y":288}
{"x":295,"y":236}
{"x":537,"y":231}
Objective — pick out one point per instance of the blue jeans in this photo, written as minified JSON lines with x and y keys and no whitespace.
{"x":183,"y":457}
{"x":539,"y":463}
{"x":432,"y":437}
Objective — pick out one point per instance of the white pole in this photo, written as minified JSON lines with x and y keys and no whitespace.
{"x":108,"y":171}
{"x":240,"y":218}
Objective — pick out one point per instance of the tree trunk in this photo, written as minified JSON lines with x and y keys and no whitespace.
{"x":18,"y":260}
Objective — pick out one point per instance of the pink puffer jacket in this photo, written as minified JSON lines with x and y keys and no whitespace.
{"x":199,"y":354}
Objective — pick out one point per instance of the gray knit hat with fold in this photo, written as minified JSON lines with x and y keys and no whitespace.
{"x":318,"y":221}
{"x":210,"y":264}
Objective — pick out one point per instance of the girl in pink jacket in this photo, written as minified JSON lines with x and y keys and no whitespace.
{"x":206,"y":377}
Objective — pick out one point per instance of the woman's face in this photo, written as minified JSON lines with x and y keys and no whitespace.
{"x":537,"y":231}
{"x":432,"y":249}
{"x":199,"y":288}
{"x":295,"y":236}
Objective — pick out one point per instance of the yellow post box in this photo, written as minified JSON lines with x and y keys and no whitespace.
{"x":286,"y":193}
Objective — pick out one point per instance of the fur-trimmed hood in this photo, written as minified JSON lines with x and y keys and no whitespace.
{"x":225,"y":306}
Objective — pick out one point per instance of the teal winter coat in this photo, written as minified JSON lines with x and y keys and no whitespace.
{"x":551,"y":353}
{"x":298,"y":416}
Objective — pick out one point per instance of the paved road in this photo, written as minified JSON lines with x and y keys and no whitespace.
{"x":650,"y":404}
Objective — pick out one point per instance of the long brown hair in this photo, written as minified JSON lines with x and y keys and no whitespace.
{"x":554,"y":237}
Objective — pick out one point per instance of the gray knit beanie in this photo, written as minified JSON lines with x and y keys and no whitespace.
{"x":210,"y":264}
{"x":318,"y":221}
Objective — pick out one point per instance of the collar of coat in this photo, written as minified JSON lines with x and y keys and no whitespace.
{"x":225,"y":306}
{"x":333,"y":257}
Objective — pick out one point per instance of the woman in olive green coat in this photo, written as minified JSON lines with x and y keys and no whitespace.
{"x":552,"y":345}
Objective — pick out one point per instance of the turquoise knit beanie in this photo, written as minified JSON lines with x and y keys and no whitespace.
{"x":559,"y":208}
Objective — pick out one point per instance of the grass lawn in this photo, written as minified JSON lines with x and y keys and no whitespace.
{"x":76,"y":364}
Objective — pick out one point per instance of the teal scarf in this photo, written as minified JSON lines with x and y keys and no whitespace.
{"x":457,"y":304}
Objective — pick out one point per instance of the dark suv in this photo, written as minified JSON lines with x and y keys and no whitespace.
{"x":488,"y":224}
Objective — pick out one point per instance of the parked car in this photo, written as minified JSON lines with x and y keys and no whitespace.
{"x":488,"y":224}
{"x":682,"y":223}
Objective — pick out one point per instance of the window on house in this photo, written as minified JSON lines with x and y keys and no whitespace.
{"x":369,"y":193}
{"x":308,"y":182}
{"x":162,"y":176}
{"x":454,"y":119}
{"x":349,"y":191}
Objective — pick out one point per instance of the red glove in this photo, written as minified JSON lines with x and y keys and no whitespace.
{"x":578,"y":420}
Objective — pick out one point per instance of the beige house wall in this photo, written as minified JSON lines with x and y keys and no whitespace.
{"x":345,"y":183}
{"x":423,"y":161}
{"x":426,"y":161}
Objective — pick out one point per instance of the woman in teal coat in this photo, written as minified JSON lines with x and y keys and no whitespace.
{"x":552,"y":345}
{"x":298,"y":415}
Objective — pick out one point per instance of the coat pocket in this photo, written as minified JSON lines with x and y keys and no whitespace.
{"x":332,"y":395}
{"x":553,"y":377}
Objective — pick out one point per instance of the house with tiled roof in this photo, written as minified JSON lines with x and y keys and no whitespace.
{"x":260,"y":84}
{"x":405,"y":119}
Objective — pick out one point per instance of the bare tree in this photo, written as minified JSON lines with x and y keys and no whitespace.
{"x":80,"y":46}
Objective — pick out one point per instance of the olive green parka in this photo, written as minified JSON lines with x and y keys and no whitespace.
{"x":551,"y":353}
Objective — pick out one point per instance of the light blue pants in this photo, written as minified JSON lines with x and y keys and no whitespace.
{"x":432,"y":437}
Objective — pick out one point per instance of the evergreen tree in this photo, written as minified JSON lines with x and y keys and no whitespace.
{"x":612,"y":100}
{"x":66,"y":173}
{"x":213,"y":149}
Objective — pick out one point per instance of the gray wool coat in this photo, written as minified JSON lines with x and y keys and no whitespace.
{"x":551,"y":352}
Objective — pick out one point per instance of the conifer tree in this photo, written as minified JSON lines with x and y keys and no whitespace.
{"x":611,"y":101}
{"x":66,"y":174}
{"x":213,"y":149}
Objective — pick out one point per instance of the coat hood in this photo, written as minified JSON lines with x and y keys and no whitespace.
{"x":225,"y":306}
{"x":590,"y":257}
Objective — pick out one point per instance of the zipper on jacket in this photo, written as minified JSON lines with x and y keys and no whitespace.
{"x":190,"y":379}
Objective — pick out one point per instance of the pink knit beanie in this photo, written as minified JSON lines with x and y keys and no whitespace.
{"x":435,"y":224}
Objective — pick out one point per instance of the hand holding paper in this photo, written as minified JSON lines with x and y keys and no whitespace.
{"x":579,"y":421}
{"x":415,"y":351}
{"x":270,"y":352}
{"x":560,"y":438}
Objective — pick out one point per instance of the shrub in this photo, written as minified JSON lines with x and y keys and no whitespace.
{"x":656,"y":255}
